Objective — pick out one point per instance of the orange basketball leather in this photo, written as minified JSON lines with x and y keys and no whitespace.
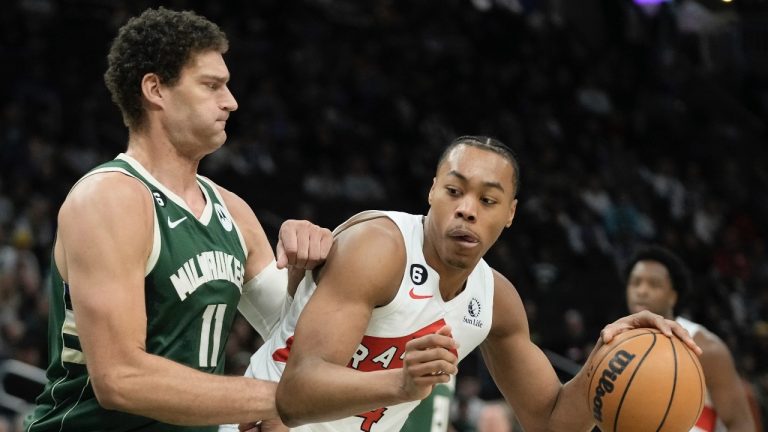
{"x":644,"y":381}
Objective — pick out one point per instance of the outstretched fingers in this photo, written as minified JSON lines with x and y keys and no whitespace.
{"x":646,"y":319}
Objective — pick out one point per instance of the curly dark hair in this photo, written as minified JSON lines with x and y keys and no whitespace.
{"x":159,"y":41}
{"x":490,"y":144}
{"x":678,"y":272}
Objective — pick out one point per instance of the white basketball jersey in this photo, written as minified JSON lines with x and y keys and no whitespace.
{"x":708,"y":420}
{"x":417,"y":309}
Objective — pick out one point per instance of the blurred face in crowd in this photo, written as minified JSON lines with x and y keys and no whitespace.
{"x":650,"y":288}
{"x":494,"y":418}
{"x":198,"y":105}
{"x":471,"y":203}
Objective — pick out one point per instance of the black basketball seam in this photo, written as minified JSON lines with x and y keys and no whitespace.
{"x":597,"y":363}
{"x":629,"y":383}
{"x":701,"y":385}
{"x":674,"y":384}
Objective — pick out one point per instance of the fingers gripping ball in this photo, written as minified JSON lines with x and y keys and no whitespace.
{"x":644,"y":381}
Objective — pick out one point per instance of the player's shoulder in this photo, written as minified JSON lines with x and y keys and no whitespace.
{"x":713,"y":348}
{"x":508,"y":310}
{"x":230,"y":198}
{"x":236,"y":205}
{"x":503,"y":287}
{"x":108,"y":192}
{"x":371,"y":252}
{"x":371,"y":241}
{"x":381,"y":234}
{"x":107,"y":207}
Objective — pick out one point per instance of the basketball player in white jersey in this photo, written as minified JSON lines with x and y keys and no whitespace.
{"x":402,"y":298}
{"x":656,"y":280}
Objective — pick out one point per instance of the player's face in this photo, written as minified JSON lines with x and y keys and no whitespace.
{"x":471,"y":203}
{"x":650,"y":288}
{"x":199,"y":105}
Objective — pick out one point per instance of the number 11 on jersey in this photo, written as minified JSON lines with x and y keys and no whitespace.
{"x":213,"y":313}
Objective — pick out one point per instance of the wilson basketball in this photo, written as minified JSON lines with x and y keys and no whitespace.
{"x":644,"y":381}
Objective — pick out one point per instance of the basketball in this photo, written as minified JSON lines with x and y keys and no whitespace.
{"x":644,"y":381}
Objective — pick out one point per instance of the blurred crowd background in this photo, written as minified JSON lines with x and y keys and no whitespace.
{"x":634,"y":123}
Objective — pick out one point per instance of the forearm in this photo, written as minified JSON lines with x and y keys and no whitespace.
{"x":158,"y":388}
{"x":570,"y":411}
{"x":331,"y":392}
{"x":264,"y":297}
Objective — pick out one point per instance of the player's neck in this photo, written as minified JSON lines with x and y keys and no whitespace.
{"x":452,"y":284}
{"x":452,"y":279}
{"x":165,"y":163}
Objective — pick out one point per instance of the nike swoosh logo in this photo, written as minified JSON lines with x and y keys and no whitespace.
{"x":417,"y":296}
{"x":174,"y":224}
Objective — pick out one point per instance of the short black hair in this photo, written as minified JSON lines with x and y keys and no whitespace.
{"x":678,"y":271}
{"x":490,"y":144}
{"x":159,"y":41}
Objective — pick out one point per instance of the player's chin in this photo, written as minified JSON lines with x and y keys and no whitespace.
{"x":458,"y":261}
{"x":219,"y":140}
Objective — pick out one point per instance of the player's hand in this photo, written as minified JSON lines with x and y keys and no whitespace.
{"x":645,"y":319}
{"x":302,"y":244}
{"x":429,"y":360}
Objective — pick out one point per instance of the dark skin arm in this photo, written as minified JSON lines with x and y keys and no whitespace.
{"x":317,"y":385}
{"x":527,"y":379}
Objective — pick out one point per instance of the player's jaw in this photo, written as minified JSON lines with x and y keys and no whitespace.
{"x":640,"y":304}
{"x":637,"y":307}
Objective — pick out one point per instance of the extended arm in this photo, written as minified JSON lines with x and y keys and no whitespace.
{"x":527,"y":379}
{"x":523,"y":373}
{"x":105,"y":237}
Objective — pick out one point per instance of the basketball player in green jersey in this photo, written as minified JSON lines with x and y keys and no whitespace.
{"x":432,"y":414}
{"x":151,"y":259}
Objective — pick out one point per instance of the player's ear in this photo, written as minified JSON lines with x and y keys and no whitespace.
{"x":432,"y":190}
{"x":512,"y":210}
{"x":151,"y":89}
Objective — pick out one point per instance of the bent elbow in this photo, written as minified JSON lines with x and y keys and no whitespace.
{"x":287,"y":408}
{"x":289,"y":421}
{"x":109,"y":393}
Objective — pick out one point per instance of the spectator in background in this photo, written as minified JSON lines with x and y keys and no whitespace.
{"x":573,"y":341}
{"x":497,"y":416}
{"x":5,"y":425}
{"x":466,"y":405}
{"x":359,"y":184}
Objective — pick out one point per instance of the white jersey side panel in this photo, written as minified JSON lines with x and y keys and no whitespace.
{"x":416,"y":310}
{"x":708,"y":421}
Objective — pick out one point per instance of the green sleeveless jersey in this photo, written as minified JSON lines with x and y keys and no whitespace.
{"x":433,"y":413}
{"x":193,"y":282}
